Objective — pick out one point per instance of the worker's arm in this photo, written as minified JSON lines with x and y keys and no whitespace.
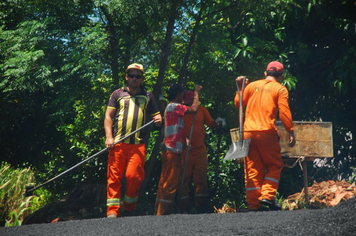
{"x":194,"y":107}
{"x":284,"y":110}
{"x":285,"y":114}
{"x":108,"y":122}
{"x":162,"y":104}
{"x":209,"y":121}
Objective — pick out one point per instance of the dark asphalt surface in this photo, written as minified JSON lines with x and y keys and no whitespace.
{"x":339,"y":220}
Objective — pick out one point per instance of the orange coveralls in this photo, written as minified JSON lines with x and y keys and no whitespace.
{"x":169,"y":181}
{"x":130,"y":158}
{"x":263,"y":165}
{"x":197,"y":163}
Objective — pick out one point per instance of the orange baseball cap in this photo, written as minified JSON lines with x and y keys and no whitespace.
{"x":275,"y":66}
{"x":135,"y":66}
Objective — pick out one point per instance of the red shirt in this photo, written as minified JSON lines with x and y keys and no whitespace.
{"x":174,"y":137}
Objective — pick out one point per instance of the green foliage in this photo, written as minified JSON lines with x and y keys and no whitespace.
{"x":60,"y":61}
{"x":15,"y":216}
{"x":353,"y":177}
{"x":14,"y":205}
{"x":226,"y":178}
{"x":23,"y":68}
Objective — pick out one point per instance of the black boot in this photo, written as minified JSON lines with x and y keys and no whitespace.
{"x":271,"y":204}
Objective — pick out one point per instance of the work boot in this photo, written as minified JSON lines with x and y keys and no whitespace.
{"x":271,"y":204}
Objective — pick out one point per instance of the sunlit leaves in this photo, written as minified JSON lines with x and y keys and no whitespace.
{"x":243,"y":48}
{"x":23,"y":64}
{"x":57,"y":74}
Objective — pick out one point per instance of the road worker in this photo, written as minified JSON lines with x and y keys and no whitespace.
{"x":197,"y":161}
{"x":172,"y":147}
{"x":129,"y":107}
{"x":263,"y":100}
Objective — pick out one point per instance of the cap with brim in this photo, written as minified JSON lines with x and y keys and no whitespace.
{"x":135,"y":66}
{"x":275,"y":66}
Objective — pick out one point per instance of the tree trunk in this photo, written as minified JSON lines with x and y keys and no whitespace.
{"x":113,"y":51}
{"x":184,"y":71}
{"x":157,"y":90}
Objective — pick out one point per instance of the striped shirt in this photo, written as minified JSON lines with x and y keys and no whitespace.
{"x":174,"y":137}
{"x":131,"y":113}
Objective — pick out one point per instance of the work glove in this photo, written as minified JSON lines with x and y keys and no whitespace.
{"x":220,"y":120}
{"x":160,"y":97}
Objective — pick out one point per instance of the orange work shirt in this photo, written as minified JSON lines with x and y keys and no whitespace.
{"x":264,"y":99}
{"x":202,"y":118}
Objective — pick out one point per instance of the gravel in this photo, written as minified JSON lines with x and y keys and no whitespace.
{"x":338,"y":220}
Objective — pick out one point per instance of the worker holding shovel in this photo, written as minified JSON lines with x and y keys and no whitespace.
{"x":263,"y":100}
{"x":172,"y":147}
{"x":129,"y":107}
{"x":196,"y":156}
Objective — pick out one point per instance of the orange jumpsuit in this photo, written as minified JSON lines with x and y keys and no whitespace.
{"x":197,"y":164}
{"x":263,"y":165}
{"x":128,"y":159}
{"x":168,"y":183}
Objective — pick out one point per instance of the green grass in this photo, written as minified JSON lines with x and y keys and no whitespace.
{"x":14,"y":206}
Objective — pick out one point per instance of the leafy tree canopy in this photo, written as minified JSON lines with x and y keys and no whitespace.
{"x":60,"y":61}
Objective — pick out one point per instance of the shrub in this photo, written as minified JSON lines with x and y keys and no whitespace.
{"x":14,"y":206}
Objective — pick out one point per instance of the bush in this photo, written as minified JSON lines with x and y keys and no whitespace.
{"x":14,"y":206}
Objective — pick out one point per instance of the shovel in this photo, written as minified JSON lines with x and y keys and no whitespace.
{"x":239,"y":149}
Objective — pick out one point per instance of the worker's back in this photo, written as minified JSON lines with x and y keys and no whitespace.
{"x":265,"y":98}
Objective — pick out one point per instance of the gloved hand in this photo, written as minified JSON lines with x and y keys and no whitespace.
{"x":220,"y":120}
{"x":160,"y":97}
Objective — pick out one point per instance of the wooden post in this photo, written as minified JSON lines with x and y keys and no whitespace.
{"x":305,"y":180}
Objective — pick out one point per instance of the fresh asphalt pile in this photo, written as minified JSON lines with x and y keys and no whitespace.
{"x":338,"y":220}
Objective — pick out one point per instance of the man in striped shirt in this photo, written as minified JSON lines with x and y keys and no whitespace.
{"x":174,"y":144}
{"x":129,"y":108}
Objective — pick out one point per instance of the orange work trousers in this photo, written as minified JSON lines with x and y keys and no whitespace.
{"x":128,"y":159}
{"x":263,"y":167}
{"x":197,"y":167}
{"x":169,"y":182}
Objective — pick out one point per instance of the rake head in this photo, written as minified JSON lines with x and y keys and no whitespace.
{"x":29,"y":191}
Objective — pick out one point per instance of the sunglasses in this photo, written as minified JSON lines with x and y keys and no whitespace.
{"x":134,"y":76}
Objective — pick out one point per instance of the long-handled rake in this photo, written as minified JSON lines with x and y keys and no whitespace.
{"x":30,"y":189}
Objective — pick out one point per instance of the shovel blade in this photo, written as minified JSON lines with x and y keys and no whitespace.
{"x":238,"y":150}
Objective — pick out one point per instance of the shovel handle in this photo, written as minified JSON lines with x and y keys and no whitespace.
{"x":241,"y":94}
